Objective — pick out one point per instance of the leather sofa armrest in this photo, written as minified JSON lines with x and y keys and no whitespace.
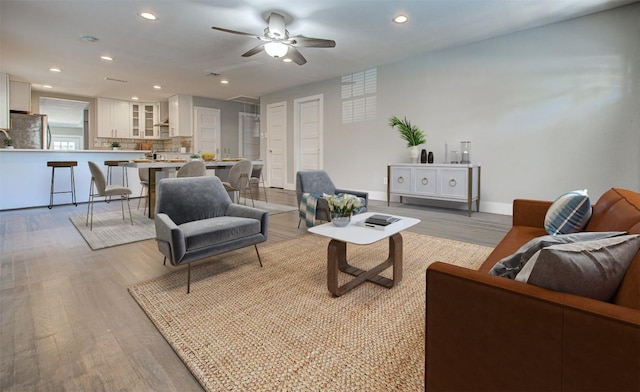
{"x":501,"y":333}
{"x":530,"y":212}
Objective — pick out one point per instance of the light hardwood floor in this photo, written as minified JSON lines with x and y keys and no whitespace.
{"x":68,"y":323}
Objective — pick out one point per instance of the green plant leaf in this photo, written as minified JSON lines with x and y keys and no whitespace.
{"x":410,"y":133}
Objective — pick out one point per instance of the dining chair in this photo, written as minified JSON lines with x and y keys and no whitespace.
{"x":256,"y":179}
{"x":143,"y":173}
{"x":238,"y":180}
{"x":192,"y":169}
{"x":99,"y":183}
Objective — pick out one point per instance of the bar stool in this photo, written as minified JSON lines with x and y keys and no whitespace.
{"x":125,"y":175}
{"x":70,"y":165}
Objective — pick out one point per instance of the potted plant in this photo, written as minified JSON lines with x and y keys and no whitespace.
{"x":115,"y":145}
{"x":411,"y":134}
{"x":342,"y":207}
{"x":183,"y":146}
{"x":8,"y":143}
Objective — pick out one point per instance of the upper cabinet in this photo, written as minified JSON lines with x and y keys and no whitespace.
{"x":20,"y":96}
{"x":114,"y":118}
{"x":143,"y":118}
{"x":4,"y":100}
{"x":181,"y":115}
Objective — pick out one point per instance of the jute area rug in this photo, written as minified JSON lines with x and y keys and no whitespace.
{"x":110,"y":230}
{"x":277,"y":328}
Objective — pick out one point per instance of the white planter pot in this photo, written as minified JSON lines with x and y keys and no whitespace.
{"x":183,"y":150}
{"x":115,"y":148}
{"x":413,"y":154}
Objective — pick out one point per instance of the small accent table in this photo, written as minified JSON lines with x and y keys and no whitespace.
{"x":357,"y":234}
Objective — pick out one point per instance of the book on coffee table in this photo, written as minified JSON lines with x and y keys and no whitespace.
{"x":380,"y":220}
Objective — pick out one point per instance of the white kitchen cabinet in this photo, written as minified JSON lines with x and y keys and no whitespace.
{"x":181,"y":115}
{"x":4,"y":100}
{"x":114,"y":118}
{"x":448,"y":182}
{"x":20,"y":96}
{"x":143,"y":118}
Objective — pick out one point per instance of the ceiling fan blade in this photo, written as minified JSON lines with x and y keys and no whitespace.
{"x":308,"y":42}
{"x":253,"y":51}
{"x":295,"y":56}
{"x":234,"y":32}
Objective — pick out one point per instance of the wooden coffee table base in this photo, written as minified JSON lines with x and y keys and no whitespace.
{"x":337,"y":261}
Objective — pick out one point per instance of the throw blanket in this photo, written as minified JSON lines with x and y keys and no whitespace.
{"x":307,"y":208}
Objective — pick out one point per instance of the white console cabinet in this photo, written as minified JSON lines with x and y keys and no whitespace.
{"x":448,"y":182}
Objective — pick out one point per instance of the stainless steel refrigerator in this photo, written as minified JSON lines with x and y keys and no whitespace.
{"x":29,"y":131}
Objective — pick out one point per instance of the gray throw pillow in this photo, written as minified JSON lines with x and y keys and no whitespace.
{"x":592,"y":269}
{"x":509,"y":266}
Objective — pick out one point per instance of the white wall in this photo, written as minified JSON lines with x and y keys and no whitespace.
{"x":547,"y":110}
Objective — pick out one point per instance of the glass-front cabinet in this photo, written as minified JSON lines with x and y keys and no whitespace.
{"x":143,"y":118}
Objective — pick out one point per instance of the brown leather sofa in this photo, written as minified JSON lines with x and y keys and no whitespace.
{"x":489,"y":333}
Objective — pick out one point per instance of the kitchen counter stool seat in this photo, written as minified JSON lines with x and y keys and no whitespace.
{"x":62,"y":164}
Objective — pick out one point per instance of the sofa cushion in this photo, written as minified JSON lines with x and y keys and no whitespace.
{"x":569,"y":213}
{"x":214,"y":231}
{"x":592,"y":269}
{"x":511,"y":265}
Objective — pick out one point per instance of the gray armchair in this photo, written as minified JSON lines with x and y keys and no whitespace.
{"x":319,"y":182}
{"x":195,"y":219}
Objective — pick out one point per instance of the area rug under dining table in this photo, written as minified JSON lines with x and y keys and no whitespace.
{"x":109,"y":229}
{"x":243,"y":327}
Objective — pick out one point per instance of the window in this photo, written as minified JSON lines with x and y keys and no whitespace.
{"x":65,"y":143}
{"x":359,"y":102}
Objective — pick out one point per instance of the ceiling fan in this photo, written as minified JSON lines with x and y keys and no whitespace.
{"x":278,"y":44}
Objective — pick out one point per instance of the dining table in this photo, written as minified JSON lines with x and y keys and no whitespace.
{"x":159,"y":169}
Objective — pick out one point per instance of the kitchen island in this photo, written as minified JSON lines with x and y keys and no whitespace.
{"x":25,"y":179}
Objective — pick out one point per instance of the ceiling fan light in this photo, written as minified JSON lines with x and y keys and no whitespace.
{"x":276,"y":49}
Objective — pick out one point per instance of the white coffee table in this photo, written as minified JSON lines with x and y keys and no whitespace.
{"x":356,"y":234}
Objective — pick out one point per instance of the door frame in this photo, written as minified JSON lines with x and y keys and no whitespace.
{"x":284,"y":148}
{"x":242,"y":117}
{"x":196,"y":141}
{"x":297,"y":150}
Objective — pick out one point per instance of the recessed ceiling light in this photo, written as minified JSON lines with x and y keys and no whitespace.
{"x":157,"y":87}
{"x":287,"y":60}
{"x":401,"y":19}
{"x":148,"y":15}
{"x":55,"y":69}
{"x":135,"y":98}
{"x":224,"y":82}
{"x":107,"y":58}
{"x":47,"y":86}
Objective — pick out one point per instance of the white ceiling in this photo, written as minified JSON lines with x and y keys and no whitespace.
{"x":180,"y":48}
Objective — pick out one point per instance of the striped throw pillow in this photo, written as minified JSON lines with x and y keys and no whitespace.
{"x":568,"y":214}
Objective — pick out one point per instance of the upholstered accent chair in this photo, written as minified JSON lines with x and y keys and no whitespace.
{"x":192,"y":169}
{"x":238,"y":179}
{"x":99,"y":188}
{"x":195,"y":219}
{"x":319,"y":182}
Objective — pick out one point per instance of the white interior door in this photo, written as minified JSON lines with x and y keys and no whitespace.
{"x":206,"y":130}
{"x":308,"y":122}
{"x":276,"y":144}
